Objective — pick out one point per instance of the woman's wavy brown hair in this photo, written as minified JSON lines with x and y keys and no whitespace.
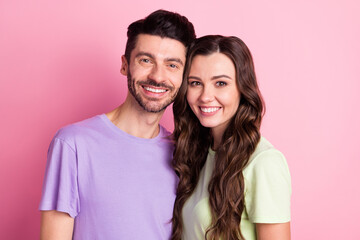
{"x":192,"y":141}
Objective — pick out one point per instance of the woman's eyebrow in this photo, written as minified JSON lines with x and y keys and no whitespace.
{"x":220,"y":76}
{"x":193,"y":77}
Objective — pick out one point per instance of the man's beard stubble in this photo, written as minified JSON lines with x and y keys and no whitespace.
{"x":139,"y":99}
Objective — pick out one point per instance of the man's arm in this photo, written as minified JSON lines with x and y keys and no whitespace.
{"x":56,"y":226}
{"x":278,"y":231}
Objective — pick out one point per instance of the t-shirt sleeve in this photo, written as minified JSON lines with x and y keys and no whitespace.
{"x":268,"y":188}
{"x":60,"y":188}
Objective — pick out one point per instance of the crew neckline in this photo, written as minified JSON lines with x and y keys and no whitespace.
{"x":212,"y":152}
{"x":122,"y":133}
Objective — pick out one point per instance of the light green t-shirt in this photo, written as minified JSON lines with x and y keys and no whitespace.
{"x":267,"y":194}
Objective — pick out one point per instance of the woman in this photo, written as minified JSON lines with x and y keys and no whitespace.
{"x":233,"y":183}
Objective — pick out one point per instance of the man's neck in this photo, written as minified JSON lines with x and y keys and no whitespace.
{"x":134,"y":120}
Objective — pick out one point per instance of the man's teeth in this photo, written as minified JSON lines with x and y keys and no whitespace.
{"x":154,"y":90}
{"x":208,"y":110}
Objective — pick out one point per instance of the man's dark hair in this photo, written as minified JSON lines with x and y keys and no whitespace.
{"x":160,"y":23}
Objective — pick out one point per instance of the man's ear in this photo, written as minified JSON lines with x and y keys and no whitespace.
{"x":124,"y":66}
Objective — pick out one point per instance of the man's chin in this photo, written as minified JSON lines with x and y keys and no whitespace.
{"x":154,"y":109}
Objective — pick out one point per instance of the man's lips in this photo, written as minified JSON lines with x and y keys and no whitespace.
{"x":154,"y":89}
{"x":151,"y":85}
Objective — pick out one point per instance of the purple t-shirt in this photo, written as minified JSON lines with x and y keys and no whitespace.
{"x":115,"y":185}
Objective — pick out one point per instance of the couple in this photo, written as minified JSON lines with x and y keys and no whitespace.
{"x":112,"y":177}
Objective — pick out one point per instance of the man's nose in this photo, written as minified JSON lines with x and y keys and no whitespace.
{"x":157,"y":74}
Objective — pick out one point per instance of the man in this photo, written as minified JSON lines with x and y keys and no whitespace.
{"x":109,"y":177}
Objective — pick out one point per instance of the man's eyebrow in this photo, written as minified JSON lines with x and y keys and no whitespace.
{"x":139,"y":54}
{"x":178,"y":60}
{"x":220,"y":76}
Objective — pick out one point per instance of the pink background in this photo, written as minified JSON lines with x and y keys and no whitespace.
{"x":59,"y":63}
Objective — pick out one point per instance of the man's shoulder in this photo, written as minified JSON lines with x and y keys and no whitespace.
{"x":79,"y":129}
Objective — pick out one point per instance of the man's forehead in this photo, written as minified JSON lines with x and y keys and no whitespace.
{"x":161,"y":47}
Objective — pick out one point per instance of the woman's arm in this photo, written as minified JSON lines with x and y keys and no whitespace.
{"x":273,"y":231}
{"x":56,"y":226}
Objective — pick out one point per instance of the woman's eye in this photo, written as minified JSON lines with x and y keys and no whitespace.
{"x":194,"y":83}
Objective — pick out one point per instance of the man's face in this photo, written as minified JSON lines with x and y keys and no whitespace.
{"x":155,"y":71}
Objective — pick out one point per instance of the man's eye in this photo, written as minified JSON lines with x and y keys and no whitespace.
{"x":145,"y":60}
{"x":221,"y":84}
{"x":173,"y":66}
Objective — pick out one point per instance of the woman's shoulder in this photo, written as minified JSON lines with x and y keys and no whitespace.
{"x":267,"y":185}
{"x":263,"y":145}
{"x":265,"y":156}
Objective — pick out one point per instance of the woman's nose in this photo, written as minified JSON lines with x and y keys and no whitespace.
{"x":207,"y":94}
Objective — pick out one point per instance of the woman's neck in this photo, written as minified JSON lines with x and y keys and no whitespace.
{"x":217,"y":137}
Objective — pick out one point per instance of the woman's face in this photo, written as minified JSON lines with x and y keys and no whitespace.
{"x":212,"y":91}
